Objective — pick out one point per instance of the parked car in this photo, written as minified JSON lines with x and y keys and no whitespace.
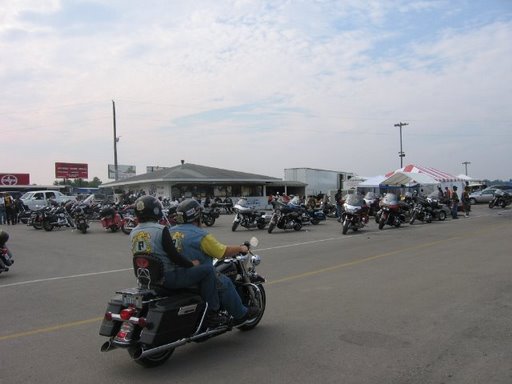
{"x":38,"y":199}
{"x":483,"y":196}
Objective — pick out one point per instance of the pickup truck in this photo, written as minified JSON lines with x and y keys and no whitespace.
{"x":38,"y":199}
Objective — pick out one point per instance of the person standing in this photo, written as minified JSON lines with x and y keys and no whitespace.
{"x":3,"y":217}
{"x":455,"y":202}
{"x":465,"y":201}
{"x":9,"y":209}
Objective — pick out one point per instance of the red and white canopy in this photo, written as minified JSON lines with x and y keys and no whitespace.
{"x":435,"y":174}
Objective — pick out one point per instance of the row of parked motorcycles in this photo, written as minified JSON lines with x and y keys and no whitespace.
{"x":389,"y":210}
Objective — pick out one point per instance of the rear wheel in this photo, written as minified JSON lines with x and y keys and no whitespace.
{"x":345,"y":226}
{"x":442,"y":216}
{"x":297,"y":226}
{"x":153,"y":360}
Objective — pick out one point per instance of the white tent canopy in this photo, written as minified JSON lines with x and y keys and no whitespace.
{"x":409,"y":179}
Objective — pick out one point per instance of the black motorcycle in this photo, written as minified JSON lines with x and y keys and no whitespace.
{"x":208,"y":215}
{"x":81,"y":216}
{"x":285,"y":216}
{"x":248,"y":217}
{"x":150,"y":321}
{"x":355,"y":213}
{"x":500,"y":199}
{"x":57,"y":217}
{"x":421,"y":211}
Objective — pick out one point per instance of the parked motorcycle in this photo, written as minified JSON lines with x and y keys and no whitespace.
{"x":110,"y":218}
{"x":500,"y":199}
{"x":248,"y":217}
{"x":80,"y":216}
{"x":355,"y":213}
{"x":372,"y":202}
{"x":421,"y":210}
{"x":150,"y":322}
{"x":208,"y":216}
{"x":390,"y":212}
{"x":285,"y":216}
{"x":129,"y":221}
{"x":36,"y":217}
{"x":57,"y":217}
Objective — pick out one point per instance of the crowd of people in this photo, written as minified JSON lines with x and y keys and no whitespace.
{"x":10,"y":208}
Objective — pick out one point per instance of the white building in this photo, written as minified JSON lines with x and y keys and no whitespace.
{"x":320,"y":180}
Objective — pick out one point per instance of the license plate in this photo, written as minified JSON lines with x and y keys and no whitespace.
{"x":132,"y":299}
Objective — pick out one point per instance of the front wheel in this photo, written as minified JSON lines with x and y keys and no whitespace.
{"x":491,"y":204}
{"x":82,"y":227}
{"x":47,"y":226}
{"x":344,"y":229}
{"x":234,"y":226}
{"x":257,"y":299}
{"x":209,"y":220}
{"x":413,"y":218}
{"x":382,"y":222}
{"x":297,"y":226}
{"x":271,"y":227}
{"x":153,"y":360}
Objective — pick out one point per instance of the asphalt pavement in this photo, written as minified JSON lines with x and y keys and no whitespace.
{"x":424,"y":303}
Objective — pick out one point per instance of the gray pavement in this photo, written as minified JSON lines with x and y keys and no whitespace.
{"x":427,"y":303}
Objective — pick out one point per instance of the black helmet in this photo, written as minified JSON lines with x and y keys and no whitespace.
{"x":148,"y":208}
{"x":4,"y":236}
{"x":189,"y":210}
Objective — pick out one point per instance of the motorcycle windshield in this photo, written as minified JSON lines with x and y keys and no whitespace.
{"x":390,"y":199}
{"x":354,"y":200}
{"x":370,"y":196}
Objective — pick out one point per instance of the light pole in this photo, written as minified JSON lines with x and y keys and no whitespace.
{"x":401,"y":154}
{"x":465,"y":163}
{"x":116,"y":139}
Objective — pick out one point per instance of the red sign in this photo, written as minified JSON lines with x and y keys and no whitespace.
{"x":71,"y":171}
{"x":14,"y":179}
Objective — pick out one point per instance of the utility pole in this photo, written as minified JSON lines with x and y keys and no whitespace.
{"x":465,"y":163}
{"x":401,"y":154}
{"x":116,"y":139}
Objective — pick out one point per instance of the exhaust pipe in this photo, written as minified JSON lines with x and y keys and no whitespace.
{"x":141,"y":353}
{"x":107,"y":346}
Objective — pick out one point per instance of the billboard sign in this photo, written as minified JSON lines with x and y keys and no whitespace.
{"x":9,"y":179}
{"x":123,"y":171}
{"x":71,"y":171}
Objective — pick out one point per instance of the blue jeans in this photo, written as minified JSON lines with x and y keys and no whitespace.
{"x":229,"y":297}
{"x":202,"y":275}
{"x":455,"y":207}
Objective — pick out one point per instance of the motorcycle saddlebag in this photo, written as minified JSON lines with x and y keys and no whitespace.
{"x":110,"y":328}
{"x":172,"y":318}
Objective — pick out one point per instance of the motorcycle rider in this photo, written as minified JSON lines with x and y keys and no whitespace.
{"x":200,"y":246}
{"x":150,"y":237}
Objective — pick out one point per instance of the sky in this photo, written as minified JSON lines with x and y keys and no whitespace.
{"x":256,"y":86}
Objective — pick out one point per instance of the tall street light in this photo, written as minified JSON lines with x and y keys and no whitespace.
{"x":465,"y":163}
{"x":401,"y":154}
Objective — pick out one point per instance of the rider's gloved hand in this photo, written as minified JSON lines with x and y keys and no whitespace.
{"x":244,"y":249}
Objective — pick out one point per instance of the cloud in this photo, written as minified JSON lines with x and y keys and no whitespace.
{"x":317,"y":84}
